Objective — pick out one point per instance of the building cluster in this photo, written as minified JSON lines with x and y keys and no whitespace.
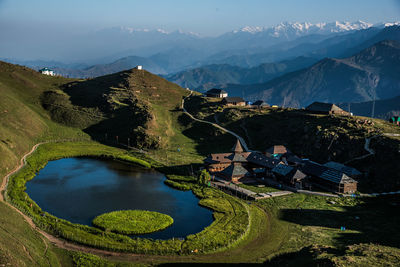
{"x":233,"y":101}
{"x":283,"y":166}
{"x":316,"y":107}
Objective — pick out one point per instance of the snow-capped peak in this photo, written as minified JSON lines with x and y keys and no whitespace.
{"x":302,"y":28}
{"x":389,"y":24}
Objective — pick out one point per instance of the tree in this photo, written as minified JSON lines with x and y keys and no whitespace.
{"x":204,"y":177}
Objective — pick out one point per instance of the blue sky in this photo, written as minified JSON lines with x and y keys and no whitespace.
{"x":207,"y":17}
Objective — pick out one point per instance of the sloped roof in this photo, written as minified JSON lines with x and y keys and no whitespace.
{"x":260,"y":103}
{"x":235,"y":170}
{"x":45,"y":69}
{"x":293,"y":158}
{"x":298,"y":175}
{"x":218,"y":158}
{"x":262,"y":160}
{"x":323,"y":172}
{"x":216,"y":91}
{"x":350,"y":171}
{"x":233,"y":99}
{"x":282,"y":169}
{"x":277,"y":149}
{"x":237,"y":147}
{"x":323,"y":107}
{"x":336,"y":177}
{"x":236,"y":157}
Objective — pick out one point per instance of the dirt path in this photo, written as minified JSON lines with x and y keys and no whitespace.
{"x":21,"y":164}
{"x":70,"y":246}
{"x":367,"y":148}
{"x":242,"y":142}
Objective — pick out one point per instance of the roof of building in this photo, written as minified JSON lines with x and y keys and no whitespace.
{"x":216,"y":91}
{"x":237,"y":147}
{"x":277,"y":149}
{"x":233,"y":99}
{"x":298,"y":175}
{"x":336,"y":176}
{"x":235,"y":170}
{"x":218,"y":158}
{"x":282,"y":169}
{"x":260,"y":103}
{"x":45,"y":69}
{"x":262,"y":160}
{"x":323,"y":107}
{"x":350,"y":171}
{"x":237,"y":157}
{"x":292,"y":158}
{"x":323,"y":172}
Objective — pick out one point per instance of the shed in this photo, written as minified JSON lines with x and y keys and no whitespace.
{"x":259,"y":104}
{"x":233,"y":101}
{"x":326,"y":108}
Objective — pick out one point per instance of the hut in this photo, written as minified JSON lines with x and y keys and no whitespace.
{"x":326,"y":108}
{"x":219,"y":93}
{"x":233,"y":101}
{"x":259,"y":104}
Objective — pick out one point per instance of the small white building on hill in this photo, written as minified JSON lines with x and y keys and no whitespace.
{"x":47,"y":71}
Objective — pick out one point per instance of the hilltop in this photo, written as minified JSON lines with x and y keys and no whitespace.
{"x":23,"y":121}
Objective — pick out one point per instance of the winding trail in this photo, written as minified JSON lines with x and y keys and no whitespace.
{"x":70,"y":246}
{"x":370,"y":151}
{"x":241,"y":140}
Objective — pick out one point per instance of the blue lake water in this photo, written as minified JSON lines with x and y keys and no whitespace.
{"x":79,"y":189}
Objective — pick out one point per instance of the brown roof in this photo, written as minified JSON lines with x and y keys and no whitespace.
{"x":277,"y":149}
{"x":323,"y":107}
{"x":233,"y":99}
{"x":237,"y":147}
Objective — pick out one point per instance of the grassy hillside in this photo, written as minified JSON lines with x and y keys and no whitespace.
{"x":145,"y":108}
{"x":318,"y":137}
{"x":23,"y":121}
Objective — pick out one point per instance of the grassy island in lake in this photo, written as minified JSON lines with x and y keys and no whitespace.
{"x":133,"y":221}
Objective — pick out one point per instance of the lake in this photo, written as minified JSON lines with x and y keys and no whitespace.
{"x":79,"y":189}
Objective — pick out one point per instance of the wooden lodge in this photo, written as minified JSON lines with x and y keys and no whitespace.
{"x":281,"y":164}
{"x":329,"y":179}
{"x":326,"y":108}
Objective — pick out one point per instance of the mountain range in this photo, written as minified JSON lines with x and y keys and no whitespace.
{"x":218,"y":75}
{"x":169,"y":52}
{"x":371,"y":73}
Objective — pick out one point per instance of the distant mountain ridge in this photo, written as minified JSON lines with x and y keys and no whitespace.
{"x":372,"y":73}
{"x":111,"y":44}
{"x":218,"y":75}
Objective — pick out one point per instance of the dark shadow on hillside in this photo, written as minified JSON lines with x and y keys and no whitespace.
{"x":376,"y":220}
{"x":306,"y":257}
{"x":209,"y":139}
